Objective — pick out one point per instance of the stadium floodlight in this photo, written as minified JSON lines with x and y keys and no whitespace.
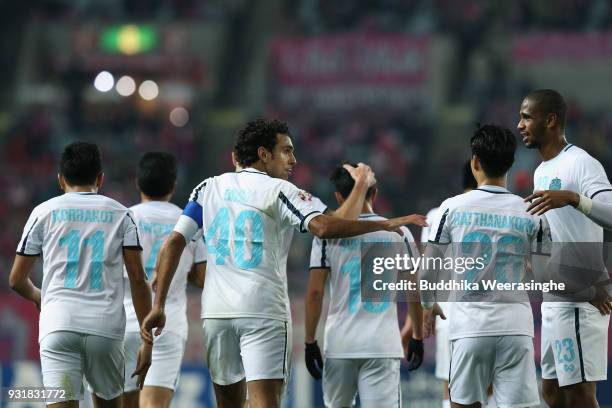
{"x":179,"y":116}
{"x":148,"y":90}
{"x":104,"y":81}
{"x":125,"y":86}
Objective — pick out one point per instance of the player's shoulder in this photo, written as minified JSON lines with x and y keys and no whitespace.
{"x":108,"y":202}
{"x":452,"y":202}
{"x":580,"y":156}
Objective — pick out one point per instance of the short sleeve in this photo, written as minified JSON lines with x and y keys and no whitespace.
{"x":411,"y":248}
{"x":438,"y":230}
{"x":295,"y":207}
{"x":318,"y":254}
{"x":318,"y":205}
{"x":31,"y":240}
{"x":430,"y":219}
{"x":130,"y":232}
{"x":592,"y":178}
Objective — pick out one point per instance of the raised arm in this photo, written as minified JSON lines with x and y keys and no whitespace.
{"x":364,"y":179}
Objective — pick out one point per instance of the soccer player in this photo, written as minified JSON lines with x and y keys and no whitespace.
{"x":491,"y":342}
{"x":155,"y":217}
{"x":442,"y":369}
{"x":363,"y":347}
{"x":247,"y":217}
{"x":84,"y":239}
{"x":572,"y":189}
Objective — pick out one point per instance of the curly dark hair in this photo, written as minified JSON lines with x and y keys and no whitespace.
{"x":495,"y":147}
{"x":256,"y":133}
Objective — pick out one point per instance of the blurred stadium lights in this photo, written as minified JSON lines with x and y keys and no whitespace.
{"x":179,"y":116}
{"x":126,"y":86}
{"x":148,"y":90}
{"x":129,"y":39}
{"x":104,"y":81}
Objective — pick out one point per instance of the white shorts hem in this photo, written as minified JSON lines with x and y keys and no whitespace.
{"x":224,"y":382}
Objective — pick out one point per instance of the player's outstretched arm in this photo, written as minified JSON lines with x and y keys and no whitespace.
{"x":325,"y":226}
{"x":598,"y":209}
{"x":364,"y":179}
{"x":19,"y":278}
{"x":197,"y":275}
{"x":313,"y":306}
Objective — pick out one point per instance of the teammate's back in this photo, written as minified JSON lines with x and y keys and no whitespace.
{"x":84,"y":239}
{"x":490,"y":222}
{"x":81,"y":236}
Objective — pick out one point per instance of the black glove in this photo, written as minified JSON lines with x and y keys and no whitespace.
{"x":314,"y":360}
{"x":415,"y":354}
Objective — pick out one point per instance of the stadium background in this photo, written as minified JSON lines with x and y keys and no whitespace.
{"x":397,"y":84}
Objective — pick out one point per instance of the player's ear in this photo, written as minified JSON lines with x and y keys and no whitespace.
{"x":263,"y":154}
{"x":61,"y":181}
{"x":99,"y":181}
{"x":551,"y":120}
{"x":475,"y":165}
{"x":339,"y":198}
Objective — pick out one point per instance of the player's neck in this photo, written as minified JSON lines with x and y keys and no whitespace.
{"x":367,"y":208}
{"x":258,"y":166}
{"x":497,"y":182}
{"x":146,"y":199}
{"x":80,"y":189}
{"x":553,"y":148}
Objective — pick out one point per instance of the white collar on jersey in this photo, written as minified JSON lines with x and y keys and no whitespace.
{"x":493,"y":189}
{"x":252,"y":170}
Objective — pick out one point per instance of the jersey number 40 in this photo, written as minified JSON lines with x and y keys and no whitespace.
{"x":219,"y":242}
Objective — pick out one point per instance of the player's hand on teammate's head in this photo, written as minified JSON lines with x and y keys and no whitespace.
{"x":314,"y":360}
{"x":361,"y":173}
{"x":155,"y":319}
{"x":143,"y":363}
{"x":415,"y":354}
{"x":543,"y":201}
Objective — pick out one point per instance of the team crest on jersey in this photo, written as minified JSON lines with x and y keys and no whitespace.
{"x":305,"y":196}
{"x":555,"y":184}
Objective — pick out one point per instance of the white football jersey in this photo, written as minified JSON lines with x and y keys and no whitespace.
{"x":497,"y":220}
{"x":575,"y":170}
{"x":355,"y":328}
{"x":572,"y":169}
{"x":248,"y":219}
{"x":155,"y":221}
{"x":81,"y":237}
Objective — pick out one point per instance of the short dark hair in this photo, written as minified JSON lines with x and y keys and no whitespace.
{"x":256,"y":133}
{"x":495,"y":147}
{"x":157,"y":174}
{"x":81,"y":163}
{"x":549,"y":101}
{"x":469,"y":182}
{"x":344,"y":183}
